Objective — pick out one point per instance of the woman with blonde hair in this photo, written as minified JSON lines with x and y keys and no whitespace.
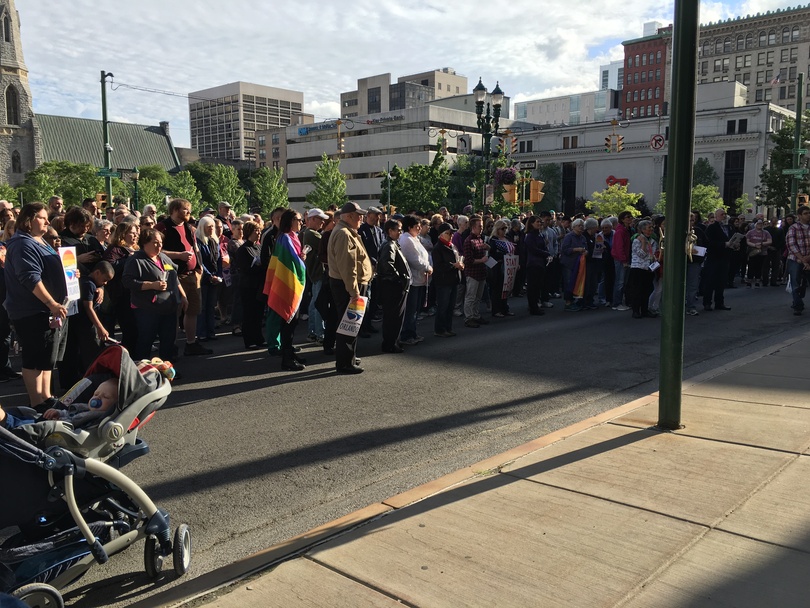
{"x":117,"y":307}
{"x":499,"y":248}
{"x":211,"y":279}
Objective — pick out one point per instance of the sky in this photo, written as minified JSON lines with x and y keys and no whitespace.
{"x":534,"y":48}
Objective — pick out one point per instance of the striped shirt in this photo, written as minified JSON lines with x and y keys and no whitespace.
{"x":798,"y":242}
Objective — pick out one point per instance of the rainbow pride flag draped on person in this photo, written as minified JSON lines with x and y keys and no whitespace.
{"x":286,"y":275}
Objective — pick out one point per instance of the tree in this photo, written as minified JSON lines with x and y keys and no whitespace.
{"x":269,"y":189}
{"x":183,"y":186}
{"x":703,"y":173}
{"x":419,"y":187}
{"x":465,"y":178}
{"x":613,"y":200}
{"x":201,"y":173}
{"x":149,"y":193}
{"x":705,"y":199}
{"x":73,"y":182}
{"x":9,"y":193}
{"x":156,"y":173}
{"x":775,"y":187}
{"x":329,"y":185}
{"x":224,"y":186}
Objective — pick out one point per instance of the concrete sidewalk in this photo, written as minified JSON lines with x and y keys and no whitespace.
{"x":608,"y":512}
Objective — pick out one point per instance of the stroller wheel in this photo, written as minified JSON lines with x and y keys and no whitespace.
{"x":181,"y":553}
{"x":39,"y":595}
{"x":152,"y":557}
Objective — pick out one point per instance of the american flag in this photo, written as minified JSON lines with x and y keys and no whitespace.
{"x":777,"y":79}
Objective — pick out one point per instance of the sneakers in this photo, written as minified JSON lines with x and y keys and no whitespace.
{"x":195,"y":348}
{"x":547,"y":304}
{"x":419,"y":339}
{"x":410,"y":341}
{"x":621,"y":308}
{"x":312,"y":338}
{"x":692,"y":312}
{"x":444,"y":334}
{"x":472,"y":323}
{"x":572,"y":308}
{"x":481,"y":321}
{"x":457,"y":313}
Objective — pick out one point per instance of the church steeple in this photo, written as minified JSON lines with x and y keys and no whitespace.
{"x":19,"y":140}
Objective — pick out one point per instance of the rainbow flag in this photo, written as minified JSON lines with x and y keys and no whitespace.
{"x":284,"y":282}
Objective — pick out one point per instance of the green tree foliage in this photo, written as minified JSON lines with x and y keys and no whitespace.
{"x":150,"y":192}
{"x":705,"y":199}
{"x":9,"y":193}
{"x":466,"y":178}
{"x":156,"y":173}
{"x":613,"y":200}
{"x":703,"y":173}
{"x":551,"y":174}
{"x":73,"y":182}
{"x":329,"y":185}
{"x":224,"y":186}
{"x":183,"y":186}
{"x":268,"y":189}
{"x":419,"y":187}
{"x":774,"y":187}
{"x":202,"y":173}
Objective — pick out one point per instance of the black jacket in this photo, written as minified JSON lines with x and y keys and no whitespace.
{"x":444,"y":256}
{"x":392,"y":265}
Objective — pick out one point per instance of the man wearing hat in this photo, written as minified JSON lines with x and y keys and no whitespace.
{"x":373,"y":238}
{"x":224,"y":216}
{"x":350,"y":273}
{"x":311,"y":236}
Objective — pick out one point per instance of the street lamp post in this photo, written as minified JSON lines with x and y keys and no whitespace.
{"x":136,"y":175}
{"x":487,"y":122}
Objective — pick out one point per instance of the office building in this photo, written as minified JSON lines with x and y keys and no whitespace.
{"x":224,"y":119}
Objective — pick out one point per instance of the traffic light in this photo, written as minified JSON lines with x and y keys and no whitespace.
{"x":101,"y":200}
{"x":510,"y":193}
{"x":514,"y":145}
{"x":802,"y":199}
{"x":496,"y":145}
{"x":619,"y":143}
{"x":609,"y":143}
{"x":536,"y":193}
{"x":341,"y":146}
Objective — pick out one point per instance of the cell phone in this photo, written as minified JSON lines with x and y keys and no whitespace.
{"x":306,"y":249}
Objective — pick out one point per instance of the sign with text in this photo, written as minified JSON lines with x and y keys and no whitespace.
{"x":71,"y":267}
{"x":353,"y":317}
{"x":510,"y":267}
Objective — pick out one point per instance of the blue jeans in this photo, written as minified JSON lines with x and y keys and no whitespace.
{"x":315,"y":321}
{"x":618,"y":284}
{"x":445,"y":301}
{"x":416,"y":297}
{"x":692,"y":283}
{"x":206,"y":323}
{"x":795,"y":271}
{"x":151,"y":325}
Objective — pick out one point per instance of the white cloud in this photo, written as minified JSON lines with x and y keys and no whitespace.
{"x":319,"y":48}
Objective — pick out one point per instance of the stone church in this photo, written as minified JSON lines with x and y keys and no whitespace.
{"x":28,"y":140}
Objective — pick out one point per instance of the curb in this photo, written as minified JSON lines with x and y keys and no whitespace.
{"x":228,"y":576}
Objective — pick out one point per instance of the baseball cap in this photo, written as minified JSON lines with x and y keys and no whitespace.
{"x":225,"y":204}
{"x":444,"y":228}
{"x":374,"y":210}
{"x":352,"y":207}
{"x":317,"y":213}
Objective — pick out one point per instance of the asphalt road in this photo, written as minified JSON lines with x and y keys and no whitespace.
{"x":249,"y":455}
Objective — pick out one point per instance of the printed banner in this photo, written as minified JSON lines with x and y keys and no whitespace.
{"x":71,"y":267}
{"x":510,"y":267}
{"x":353,"y":317}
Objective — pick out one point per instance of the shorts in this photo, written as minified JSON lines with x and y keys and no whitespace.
{"x":41,"y":345}
{"x":191,"y":286}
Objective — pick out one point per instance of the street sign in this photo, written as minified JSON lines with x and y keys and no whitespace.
{"x":799,"y":171}
{"x":657,"y":142}
{"x":108,"y":173}
{"x":800,"y":151}
{"x":527,"y":164}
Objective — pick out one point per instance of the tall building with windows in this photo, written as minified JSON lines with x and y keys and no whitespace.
{"x":647,"y":64}
{"x":580,"y":108}
{"x":611,"y":76}
{"x":224,"y":119}
{"x":376,"y":94}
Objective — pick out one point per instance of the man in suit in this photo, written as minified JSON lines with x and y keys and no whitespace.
{"x":373,"y":239}
{"x":719,"y":251}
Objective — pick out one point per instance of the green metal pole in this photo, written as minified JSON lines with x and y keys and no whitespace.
{"x":679,"y":195}
{"x":106,"y":132}
{"x":797,"y":141}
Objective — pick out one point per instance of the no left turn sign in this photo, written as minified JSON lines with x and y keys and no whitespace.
{"x":657,"y":142}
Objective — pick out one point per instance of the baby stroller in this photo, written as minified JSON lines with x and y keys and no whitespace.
{"x":65,"y":493}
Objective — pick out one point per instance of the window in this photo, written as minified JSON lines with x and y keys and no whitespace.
{"x":783,"y":55}
{"x":792,"y":73}
{"x":738,"y":62}
{"x":658,"y":74}
{"x":630,"y":61}
{"x":635,"y":95}
{"x":6,"y":29}
{"x":262,"y":141}
{"x":275,"y":139}
{"x":276,"y":153}
{"x":566,"y":143}
{"x":718,"y":46}
{"x":262,"y":154}
{"x":574,"y":141}
{"x":769,"y":58}
{"x":740,"y":43}
{"x":760,"y":77}
{"x":521,"y":147}
{"x":628,"y":97}
{"x":528,"y":146}
{"x":644,"y":77}
{"x":794,"y":54}
{"x":657,"y":92}
{"x":635,"y":78}
{"x":641,"y":112}
{"x":794,"y":34}
{"x":746,"y":78}
{"x":650,"y":75}
{"x":727,"y":45}
{"x":658,"y":57}
{"x":760,"y":58}
{"x":439,"y":85}
{"x":758,"y":95}
{"x":649,"y":93}
{"x":637,"y":61}
{"x":656,"y":110}
{"x":644,"y":59}
{"x":16,"y":164}
{"x":12,"y":106}
{"x":763,"y":39}
{"x":731,"y":127}
{"x":749,"y":41}
{"x":652,"y":56}
{"x":457,"y":90}
{"x":771,"y":38}
{"x":706,"y":49}
{"x":768,"y":94}
{"x":718,"y":65}
{"x":747,"y":61}
{"x":629,"y":79}
{"x":742,"y":125}
{"x":785,"y":35}
{"x":643,"y":94}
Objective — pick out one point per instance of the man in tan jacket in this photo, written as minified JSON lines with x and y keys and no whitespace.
{"x":350,"y":273}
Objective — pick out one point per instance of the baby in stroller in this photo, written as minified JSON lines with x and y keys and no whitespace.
{"x":79,"y":415}
{"x":72,"y":506}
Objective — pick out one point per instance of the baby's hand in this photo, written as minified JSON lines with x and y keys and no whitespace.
{"x":51,"y":414}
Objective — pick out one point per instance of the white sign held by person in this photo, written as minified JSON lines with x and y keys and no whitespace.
{"x":353,"y":317}
{"x":71,"y":266}
{"x":510,"y":266}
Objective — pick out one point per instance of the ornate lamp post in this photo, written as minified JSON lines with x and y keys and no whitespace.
{"x":487,"y":122}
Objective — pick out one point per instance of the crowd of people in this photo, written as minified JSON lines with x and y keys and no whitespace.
{"x":143,"y":276}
